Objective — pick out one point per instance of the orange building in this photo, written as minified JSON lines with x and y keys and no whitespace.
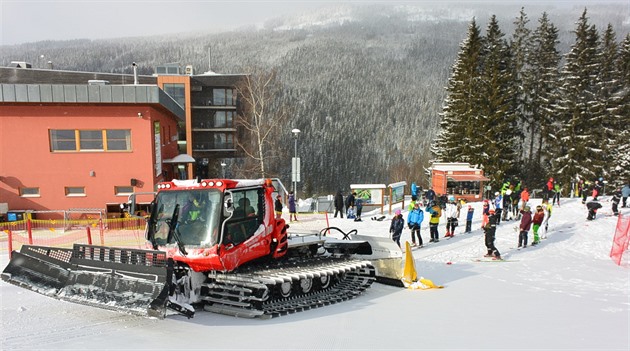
{"x":458,"y":179}
{"x":84,"y":146}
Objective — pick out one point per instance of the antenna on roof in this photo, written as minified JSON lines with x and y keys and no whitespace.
{"x":209,"y":59}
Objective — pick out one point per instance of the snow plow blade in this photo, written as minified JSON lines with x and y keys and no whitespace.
{"x":120,"y":279}
{"x":386,"y":257}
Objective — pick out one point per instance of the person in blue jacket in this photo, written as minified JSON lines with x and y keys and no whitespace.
{"x":414,"y":221}
{"x":469,"y":218}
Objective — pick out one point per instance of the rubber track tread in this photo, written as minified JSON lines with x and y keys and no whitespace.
{"x":255,"y":293}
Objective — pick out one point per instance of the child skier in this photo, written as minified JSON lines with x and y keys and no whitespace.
{"x":498,"y":206}
{"x":526,"y":223}
{"x":469,"y":218}
{"x":490,"y":230}
{"x":452,"y":214}
{"x":414,"y":221}
{"x":396,"y":228}
{"x":436,"y":212}
{"x":485,"y":213}
{"x":592,"y":207}
{"x":539,"y":216}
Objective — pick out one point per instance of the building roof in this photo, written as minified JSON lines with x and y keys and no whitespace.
{"x":454,"y":166}
{"x":95,"y":94}
{"x":13,"y":75}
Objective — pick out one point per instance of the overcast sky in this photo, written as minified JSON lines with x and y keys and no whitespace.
{"x":34,"y":20}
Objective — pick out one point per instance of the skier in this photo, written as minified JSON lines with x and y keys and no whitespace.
{"x":592,"y":207}
{"x":539,"y":217}
{"x":615,"y":201}
{"x":469,"y":218}
{"x":414,"y":190}
{"x":498,"y":206}
{"x":434,"y":221}
{"x":598,"y":187}
{"x":396,"y":227}
{"x":339,"y":204}
{"x":524,"y":198}
{"x":526,"y":223}
{"x":452,"y":214}
{"x":414,"y":221}
{"x":490,"y":230}
{"x":585,"y":186}
{"x":430,"y":195}
{"x":549,"y":188}
{"x":507,"y":205}
{"x":485,"y":212}
{"x":547,"y":208}
{"x":556,"y":194}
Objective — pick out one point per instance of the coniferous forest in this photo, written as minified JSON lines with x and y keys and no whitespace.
{"x":383,"y":91}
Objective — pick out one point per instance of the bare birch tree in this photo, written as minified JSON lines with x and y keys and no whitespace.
{"x":263,"y":119}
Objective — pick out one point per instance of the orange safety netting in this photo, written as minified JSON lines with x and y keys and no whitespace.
{"x":118,"y":232}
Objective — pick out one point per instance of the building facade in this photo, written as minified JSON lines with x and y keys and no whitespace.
{"x":211,"y":105}
{"x":172,"y":124}
{"x":80,"y":146}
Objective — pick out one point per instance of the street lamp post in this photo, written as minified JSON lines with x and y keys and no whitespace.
{"x":223,"y":164}
{"x":295,"y":164}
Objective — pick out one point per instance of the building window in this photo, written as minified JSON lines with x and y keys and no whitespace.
{"x":223,"y":141}
{"x":90,"y":140}
{"x":118,"y":139}
{"x":63,"y":140}
{"x":177,"y":92}
{"x":224,"y":119}
{"x":223,"y":97}
{"x":230,"y":97}
{"x":123,"y":190}
{"x":29,"y":192}
{"x":75,"y":191}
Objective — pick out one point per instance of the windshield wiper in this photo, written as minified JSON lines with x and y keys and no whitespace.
{"x":173,"y":232}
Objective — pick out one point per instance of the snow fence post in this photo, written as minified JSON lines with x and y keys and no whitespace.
{"x":89,"y":235}
{"x":29,"y":230}
{"x":100,"y":227}
{"x":10,"y":241}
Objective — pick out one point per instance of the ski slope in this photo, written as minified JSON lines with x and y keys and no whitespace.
{"x":564,"y":294}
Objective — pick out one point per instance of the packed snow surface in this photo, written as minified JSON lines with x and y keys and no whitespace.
{"x":564,"y":294}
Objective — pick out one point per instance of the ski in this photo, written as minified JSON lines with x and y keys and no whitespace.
{"x":491,"y":260}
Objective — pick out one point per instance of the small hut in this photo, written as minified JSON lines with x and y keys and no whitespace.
{"x":458,"y":179}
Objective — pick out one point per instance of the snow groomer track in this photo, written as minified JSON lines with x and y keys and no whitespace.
{"x":287,"y":288}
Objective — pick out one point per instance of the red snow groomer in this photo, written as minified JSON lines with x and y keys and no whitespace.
{"x":214,"y":245}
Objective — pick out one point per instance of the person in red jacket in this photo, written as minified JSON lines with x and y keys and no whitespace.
{"x":526,"y":223}
{"x":524,"y":197}
{"x":549,"y":188}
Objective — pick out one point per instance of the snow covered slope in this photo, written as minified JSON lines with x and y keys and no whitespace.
{"x":565,"y":293}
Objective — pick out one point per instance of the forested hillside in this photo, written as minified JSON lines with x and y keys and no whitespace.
{"x":367,"y":89}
